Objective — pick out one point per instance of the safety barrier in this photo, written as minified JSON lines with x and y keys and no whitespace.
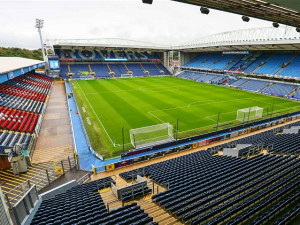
{"x":40,"y":180}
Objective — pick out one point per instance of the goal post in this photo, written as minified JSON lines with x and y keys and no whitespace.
{"x":126,"y":75}
{"x":151,"y":135}
{"x":248,"y":114}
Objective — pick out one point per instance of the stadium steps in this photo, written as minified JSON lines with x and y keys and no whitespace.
{"x":158,"y":68}
{"x":90,"y":68}
{"x":159,"y":215}
{"x":126,"y":67}
{"x":293,"y":92}
{"x":52,"y":154}
{"x":287,"y":64}
{"x":215,"y":62}
{"x":145,"y":71}
{"x":109,"y":198}
{"x":244,"y":83}
{"x":260,"y":65}
{"x":109,"y":70}
{"x":118,"y":68}
{"x":69,"y":68}
{"x":35,"y":173}
{"x":266,"y":87}
{"x":229,"y":63}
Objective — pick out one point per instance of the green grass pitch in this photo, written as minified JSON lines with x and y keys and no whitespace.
{"x":108,"y":105}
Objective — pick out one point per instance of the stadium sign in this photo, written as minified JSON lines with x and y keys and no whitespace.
{"x":235,"y":52}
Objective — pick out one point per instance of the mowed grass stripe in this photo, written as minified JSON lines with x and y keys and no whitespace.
{"x":157,"y":102}
{"x":126,"y":102}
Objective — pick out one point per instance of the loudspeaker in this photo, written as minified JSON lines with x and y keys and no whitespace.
{"x":245,"y":18}
{"x":276,"y":25}
{"x":147,"y":1}
{"x":204,"y":10}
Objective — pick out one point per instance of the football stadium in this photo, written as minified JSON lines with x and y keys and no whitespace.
{"x":123,"y":132}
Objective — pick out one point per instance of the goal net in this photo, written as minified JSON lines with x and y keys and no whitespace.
{"x":152,"y":135}
{"x":249,"y":114}
{"x":126,"y":75}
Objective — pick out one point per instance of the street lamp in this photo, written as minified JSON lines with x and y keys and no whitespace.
{"x":39,"y":24}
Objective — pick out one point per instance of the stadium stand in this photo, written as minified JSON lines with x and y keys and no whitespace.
{"x":234,"y":64}
{"x":288,"y":216}
{"x":207,"y":78}
{"x":153,"y":70}
{"x":222,"y":62}
{"x":256,"y":62}
{"x":83,"y":204}
{"x":22,"y":99}
{"x":212,"y":58}
{"x":200,"y":190}
{"x":239,"y":82}
{"x":280,"y":89}
{"x":281,"y":143}
{"x":284,"y":64}
{"x":254,"y":85}
{"x":274,"y":63}
{"x":103,"y":70}
{"x":296,"y":95}
{"x":137,"y":69}
{"x":293,"y":69}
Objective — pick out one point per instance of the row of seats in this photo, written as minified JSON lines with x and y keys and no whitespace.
{"x":105,"y":70}
{"x":280,"y":89}
{"x":22,"y":100}
{"x":200,"y":182}
{"x":289,"y":216}
{"x":278,"y":143}
{"x":284,"y":64}
{"x":11,"y":138}
{"x":266,"y":87}
{"x":254,"y":85}
{"x":83,"y":205}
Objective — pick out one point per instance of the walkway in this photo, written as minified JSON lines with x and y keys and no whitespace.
{"x":55,"y":141}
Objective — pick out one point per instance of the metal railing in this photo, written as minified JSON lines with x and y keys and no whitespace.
{"x":41,"y":180}
{"x":84,"y":179}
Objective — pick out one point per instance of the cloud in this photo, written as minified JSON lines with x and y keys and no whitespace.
{"x":163,"y":22}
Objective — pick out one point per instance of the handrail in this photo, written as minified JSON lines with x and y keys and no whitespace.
{"x":42,"y":180}
{"x":84,"y":178}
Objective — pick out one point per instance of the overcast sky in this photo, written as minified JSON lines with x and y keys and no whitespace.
{"x":163,"y":22}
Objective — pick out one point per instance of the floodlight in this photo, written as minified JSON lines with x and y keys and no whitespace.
{"x":147,"y":1}
{"x":276,"y":25}
{"x":204,"y":10}
{"x":245,"y":18}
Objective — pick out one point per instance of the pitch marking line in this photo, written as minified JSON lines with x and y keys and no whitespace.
{"x":96,"y":115}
